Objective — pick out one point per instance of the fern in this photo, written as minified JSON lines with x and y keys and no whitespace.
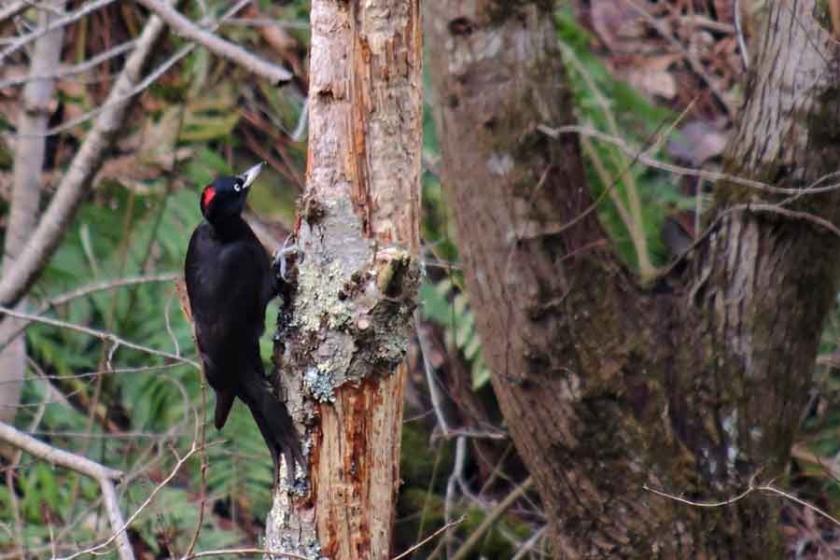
{"x":449,"y":307}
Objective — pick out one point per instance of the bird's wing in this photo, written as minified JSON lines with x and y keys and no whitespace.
{"x":229,"y":285}
{"x":247,"y":286}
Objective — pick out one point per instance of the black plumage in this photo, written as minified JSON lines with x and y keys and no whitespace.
{"x":229,"y":283}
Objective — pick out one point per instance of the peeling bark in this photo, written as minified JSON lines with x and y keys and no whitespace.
{"x":343,"y":335}
{"x":694,"y":385}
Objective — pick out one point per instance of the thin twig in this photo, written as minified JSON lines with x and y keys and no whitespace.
{"x":472,"y":434}
{"x":183,"y":26}
{"x":106,"y":285}
{"x":689,"y":56}
{"x":813,"y":219}
{"x":20,"y":539}
{"x":266,"y":22}
{"x":89,"y":289}
{"x":434,"y":390}
{"x":750,"y":489}
{"x":97,"y":373}
{"x":103,"y":335}
{"x":80,"y":68}
{"x":419,"y":545}
{"x":121,"y":531}
{"x":113,"y":101}
{"x":151,"y":78}
{"x":104,"y":475}
{"x":739,"y":33}
{"x":23,"y":40}
{"x":491,"y":518}
{"x":12,"y":9}
{"x":769,"y":488}
{"x":529,"y":544}
{"x":245,"y":552}
{"x":816,"y":187}
{"x":204,"y":465}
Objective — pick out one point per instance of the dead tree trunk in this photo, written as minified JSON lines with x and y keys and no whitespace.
{"x":696,"y":385}
{"x":342,"y":340}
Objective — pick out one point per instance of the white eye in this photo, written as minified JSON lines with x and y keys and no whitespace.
{"x":237,"y":187}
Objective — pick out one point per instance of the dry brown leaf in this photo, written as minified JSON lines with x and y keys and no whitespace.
{"x":618,"y":24}
{"x":697,"y":143}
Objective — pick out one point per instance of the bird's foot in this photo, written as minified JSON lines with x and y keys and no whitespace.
{"x":281,"y":257}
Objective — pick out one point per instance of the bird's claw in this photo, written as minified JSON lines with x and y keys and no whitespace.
{"x":280,"y":258}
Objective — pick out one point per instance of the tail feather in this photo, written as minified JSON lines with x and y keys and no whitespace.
{"x":273,"y":420}
{"x":224,"y":402}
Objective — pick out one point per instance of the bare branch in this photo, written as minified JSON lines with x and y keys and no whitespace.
{"x":813,"y":219}
{"x":104,"y":475}
{"x":244,"y":552}
{"x":111,"y":102}
{"x":76,"y":182}
{"x":145,"y":83}
{"x":12,"y":9}
{"x":419,"y":545}
{"x":530,"y":543}
{"x":26,"y":192}
{"x":102,"y":335}
{"x":816,"y":187}
{"x":739,"y":32}
{"x":752,"y":487}
{"x":106,"y":285}
{"x":183,"y":26}
{"x":23,"y":40}
{"x":491,"y":518}
{"x":431,"y":381}
{"x":267,"y":22}
{"x":120,"y":531}
{"x":88,"y":64}
{"x":115,"y":518}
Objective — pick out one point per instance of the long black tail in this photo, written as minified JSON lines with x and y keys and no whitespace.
{"x":273,"y":419}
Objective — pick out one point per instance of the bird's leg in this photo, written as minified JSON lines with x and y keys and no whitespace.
{"x":285,"y":286}
{"x":281,"y":257}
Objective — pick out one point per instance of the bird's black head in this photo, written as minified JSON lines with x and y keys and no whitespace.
{"x":224,"y":198}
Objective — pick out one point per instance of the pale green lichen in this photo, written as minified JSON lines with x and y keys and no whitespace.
{"x":318,"y":301}
{"x":320,"y":384}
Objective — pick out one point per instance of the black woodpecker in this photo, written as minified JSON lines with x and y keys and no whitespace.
{"x":229,"y":283}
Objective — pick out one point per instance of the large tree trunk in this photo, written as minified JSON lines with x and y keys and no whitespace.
{"x":694,"y":386}
{"x":342,"y":340}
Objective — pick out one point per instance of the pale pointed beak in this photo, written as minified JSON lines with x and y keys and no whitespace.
{"x":249,"y":176}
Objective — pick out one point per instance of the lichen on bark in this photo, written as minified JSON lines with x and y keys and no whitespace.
{"x":341,"y":345}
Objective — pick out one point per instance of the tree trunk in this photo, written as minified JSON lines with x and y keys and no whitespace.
{"x":28,"y":165}
{"x":342,"y":336}
{"x":693,"y":386}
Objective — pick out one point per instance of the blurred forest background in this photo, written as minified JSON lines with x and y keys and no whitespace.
{"x":667,"y":70}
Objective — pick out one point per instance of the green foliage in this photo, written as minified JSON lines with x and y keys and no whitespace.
{"x":445,"y":302}
{"x":611,"y":106}
{"x":449,"y":307}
